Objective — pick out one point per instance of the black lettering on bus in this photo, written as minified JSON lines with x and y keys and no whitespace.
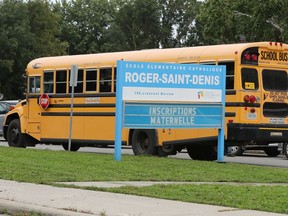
{"x":283,"y":56}
{"x":272,"y":56}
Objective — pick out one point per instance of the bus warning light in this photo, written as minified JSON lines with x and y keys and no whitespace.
{"x":254,"y":57}
{"x":246,"y":98}
{"x":252,"y":99}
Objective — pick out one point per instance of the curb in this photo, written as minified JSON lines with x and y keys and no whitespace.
{"x":12,"y":207}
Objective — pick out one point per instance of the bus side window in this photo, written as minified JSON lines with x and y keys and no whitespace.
{"x":229,"y":74}
{"x":61,"y":81}
{"x":79,"y":87}
{"x":48,"y":81}
{"x":105,"y":79}
{"x":34,"y":84}
{"x":249,"y":79}
{"x":91,"y":80}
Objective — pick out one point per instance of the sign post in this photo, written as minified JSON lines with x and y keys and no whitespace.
{"x":165,"y":95}
{"x":73,"y":83}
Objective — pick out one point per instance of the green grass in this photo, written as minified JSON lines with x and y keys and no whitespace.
{"x":47,"y":167}
{"x":264,"y":198}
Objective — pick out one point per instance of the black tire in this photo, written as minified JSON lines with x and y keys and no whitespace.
{"x":14,"y":136}
{"x":202,"y":152}
{"x":144,"y":142}
{"x":236,"y":150}
{"x":164,"y":151}
{"x":74,"y":147}
{"x":285,"y":149}
{"x":272,"y":152}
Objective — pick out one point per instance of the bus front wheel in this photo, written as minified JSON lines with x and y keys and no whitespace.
{"x":144,"y":142}
{"x":14,"y":136}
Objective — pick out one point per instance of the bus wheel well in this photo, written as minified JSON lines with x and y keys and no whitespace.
{"x":8,"y":120}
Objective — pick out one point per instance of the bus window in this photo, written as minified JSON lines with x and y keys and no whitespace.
{"x":91,"y":80}
{"x":79,"y":87}
{"x":249,"y":79}
{"x":48,"y":81}
{"x":274,"y":80}
{"x":229,"y":74}
{"x":34,"y":84}
{"x":61,"y":81}
{"x":105,"y":79}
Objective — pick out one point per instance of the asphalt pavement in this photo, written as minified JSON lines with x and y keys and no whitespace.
{"x":62,"y":201}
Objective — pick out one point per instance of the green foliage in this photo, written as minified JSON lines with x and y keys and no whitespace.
{"x":141,"y":31}
{"x":45,"y":28}
{"x":28,"y":30}
{"x":84,"y":24}
{"x":14,"y":36}
{"x":224,"y":21}
{"x":36,"y":28}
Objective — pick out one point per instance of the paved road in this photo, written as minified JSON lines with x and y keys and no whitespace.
{"x":249,"y":157}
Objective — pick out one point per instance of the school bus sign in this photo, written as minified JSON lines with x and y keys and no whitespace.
{"x":272,"y":57}
{"x":163,"y":95}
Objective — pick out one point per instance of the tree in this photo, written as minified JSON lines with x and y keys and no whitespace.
{"x":139,"y":22}
{"x":224,"y":21}
{"x":84,"y":24}
{"x":177,"y":18}
{"x":28,"y":30}
{"x":157,"y":24}
{"x":45,"y":27}
{"x":14,"y":33}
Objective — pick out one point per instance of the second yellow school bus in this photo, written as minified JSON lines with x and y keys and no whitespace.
{"x":256,"y":101}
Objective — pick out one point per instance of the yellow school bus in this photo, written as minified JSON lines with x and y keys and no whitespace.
{"x":256,"y":101}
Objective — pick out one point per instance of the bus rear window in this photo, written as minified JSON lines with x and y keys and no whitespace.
{"x":275,"y":80}
{"x":249,"y":79}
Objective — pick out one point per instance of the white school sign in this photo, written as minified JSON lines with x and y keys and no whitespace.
{"x":163,"y":95}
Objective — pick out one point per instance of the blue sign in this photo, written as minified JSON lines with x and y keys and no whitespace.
{"x":148,"y":81}
{"x":142,"y":115}
{"x":165,"y":95}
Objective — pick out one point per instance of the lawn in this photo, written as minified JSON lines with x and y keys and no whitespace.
{"x":47,"y":167}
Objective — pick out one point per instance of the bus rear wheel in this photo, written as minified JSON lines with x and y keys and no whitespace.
{"x":74,"y":147}
{"x":144,"y":142}
{"x":14,"y":136}
{"x":202,"y":152}
{"x":272,"y":152}
{"x":165,"y":150}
